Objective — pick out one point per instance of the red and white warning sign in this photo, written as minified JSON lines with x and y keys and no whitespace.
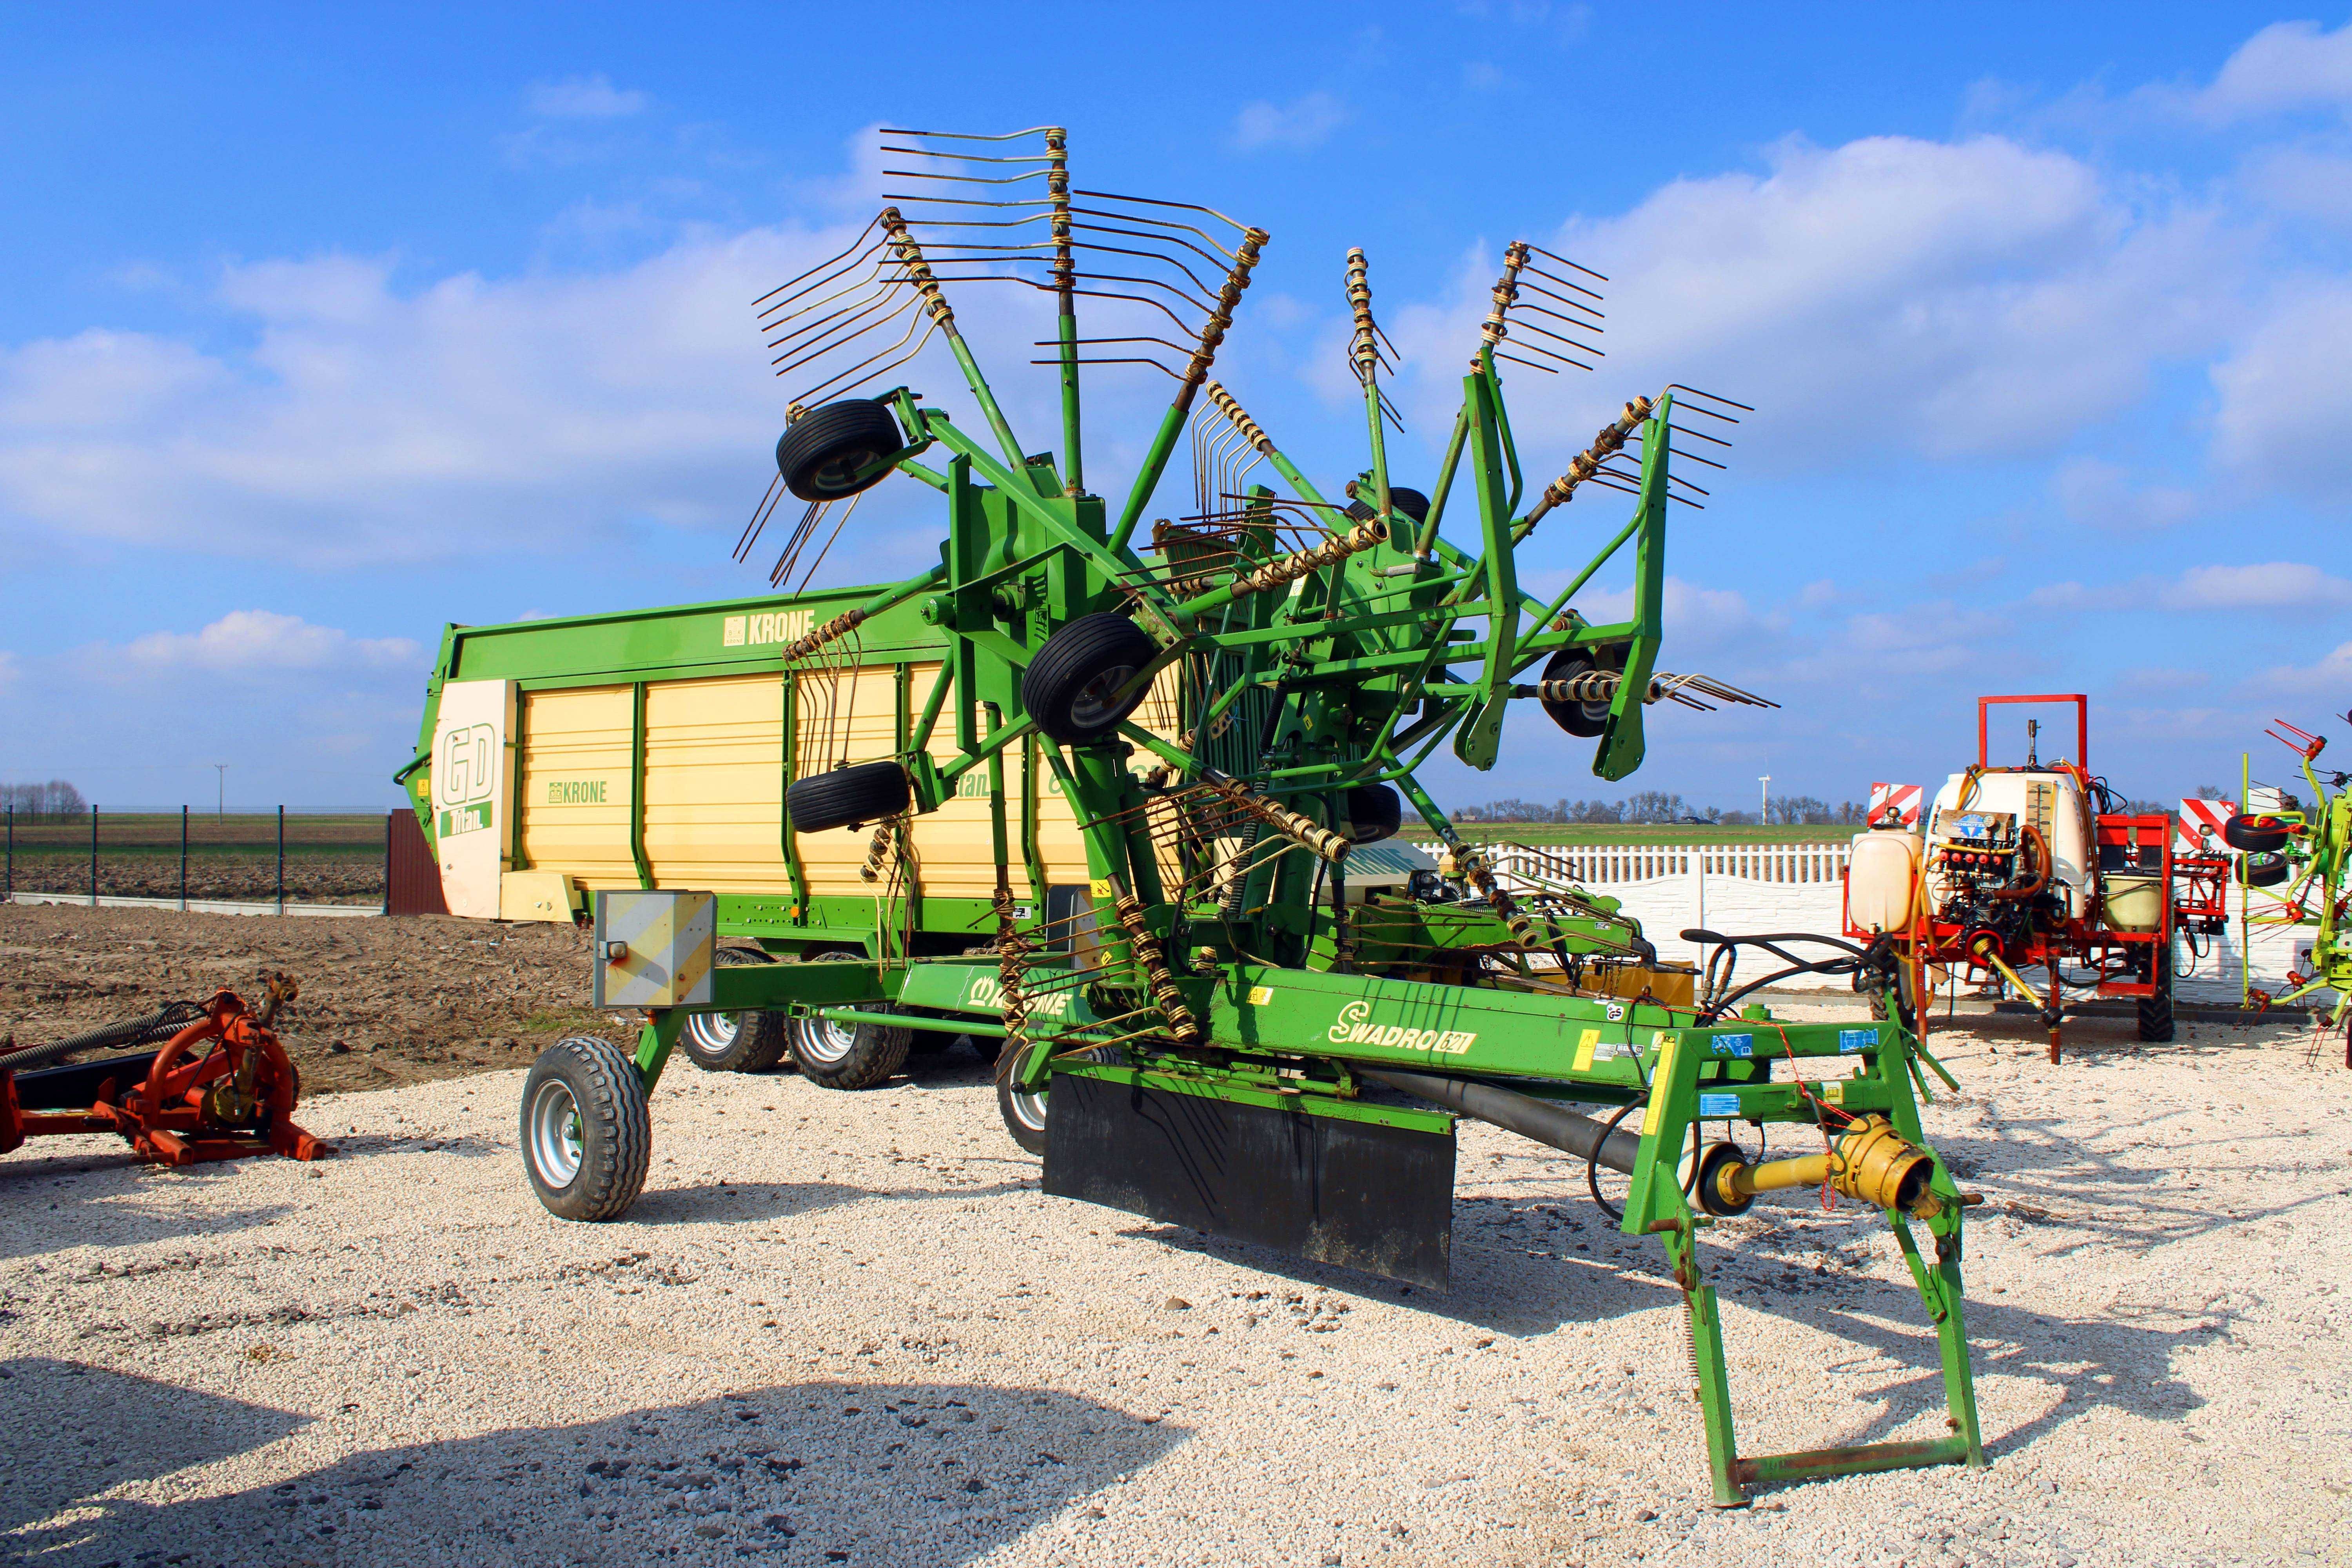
{"x":2198,"y":829}
{"x":1901,"y":798}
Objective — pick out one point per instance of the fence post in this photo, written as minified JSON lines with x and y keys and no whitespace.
{"x":388,"y":826}
{"x":281,"y":861}
{"x":93,"y":854}
{"x":11,"y":854}
{"x":184,"y":859}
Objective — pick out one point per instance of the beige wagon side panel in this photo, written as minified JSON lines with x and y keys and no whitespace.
{"x":574,"y":785}
{"x":714,"y":784}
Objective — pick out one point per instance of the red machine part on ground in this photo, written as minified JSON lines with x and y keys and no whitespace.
{"x":234,"y":1100}
{"x":1991,"y":896}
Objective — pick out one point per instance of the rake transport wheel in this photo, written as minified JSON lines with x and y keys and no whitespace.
{"x":735,"y":1042}
{"x":1024,"y":1112}
{"x":2254,"y":832}
{"x":1374,"y":812}
{"x":821,"y":452}
{"x":587,"y":1136}
{"x":2156,"y":1011}
{"x":2266,"y":868}
{"x":1071,"y":688}
{"x":1582,"y":720}
{"x":869,"y":792}
{"x":849,"y":1055}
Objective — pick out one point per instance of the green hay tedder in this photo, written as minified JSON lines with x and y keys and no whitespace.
{"x":1214,"y":1030}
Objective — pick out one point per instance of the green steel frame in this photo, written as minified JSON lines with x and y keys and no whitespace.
{"x":1350,"y":667}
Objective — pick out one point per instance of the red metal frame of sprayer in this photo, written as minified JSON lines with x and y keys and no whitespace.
{"x":2194,"y":888}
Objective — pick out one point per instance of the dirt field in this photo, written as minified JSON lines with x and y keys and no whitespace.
{"x":384,"y":1002}
{"x":313,"y":877}
{"x":847,"y":1328}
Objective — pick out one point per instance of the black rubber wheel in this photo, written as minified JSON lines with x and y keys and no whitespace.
{"x":1023,"y":1114}
{"x":2256,"y":833}
{"x":735,"y":1042}
{"x":587,"y":1135}
{"x":1069,"y":687}
{"x":1705,"y":1184}
{"x":1582,"y":720}
{"x":849,"y":1055}
{"x":1403,"y":501}
{"x":1374,"y":812}
{"x":847,"y":797}
{"x":2156,"y":1011}
{"x":2265,"y":871}
{"x":820,"y":452}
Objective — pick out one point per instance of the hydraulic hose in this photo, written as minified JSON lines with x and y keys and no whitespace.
{"x":161,"y":1025}
{"x":1521,"y":1114}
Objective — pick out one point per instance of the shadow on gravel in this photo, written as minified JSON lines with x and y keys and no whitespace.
{"x":739,"y":1200}
{"x":48,"y":1205}
{"x":876,"y":1473}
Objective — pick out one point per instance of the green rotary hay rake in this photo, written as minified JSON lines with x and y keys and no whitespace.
{"x":1218,"y":1033}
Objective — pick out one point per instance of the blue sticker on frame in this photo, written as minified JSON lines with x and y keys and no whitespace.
{"x":1718,"y":1105}
{"x":1735,"y":1045}
{"x":1853,"y":1040}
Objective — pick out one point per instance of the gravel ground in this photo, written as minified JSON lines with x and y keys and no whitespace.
{"x":848,"y":1328}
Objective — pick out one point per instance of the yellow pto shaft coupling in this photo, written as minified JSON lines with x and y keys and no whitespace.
{"x":1870,"y":1162}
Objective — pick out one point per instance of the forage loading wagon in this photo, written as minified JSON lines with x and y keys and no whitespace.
{"x":1213,"y":1028}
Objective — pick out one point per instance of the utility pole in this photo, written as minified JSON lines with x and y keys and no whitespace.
{"x":1764,"y":799}
{"x":220,"y":804}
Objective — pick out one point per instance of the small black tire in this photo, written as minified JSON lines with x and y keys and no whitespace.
{"x":735,"y":1042}
{"x":1022,"y":1111}
{"x":587,"y":1133}
{"x":2260,"y":834}
{"x":821,"y":453}
{"x":2266,"y":869}
{"x":844,"y":797}
{"x":2156,"y":1011}
{"x":834,"y":1055}
{"x":1402,"y":502}
{"x":1374,"y":812}
{"x":1068,"y":689}
{"x":1583,"y":720}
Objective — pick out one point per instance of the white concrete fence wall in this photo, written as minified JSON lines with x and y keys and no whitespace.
{"x":1747,"y":890}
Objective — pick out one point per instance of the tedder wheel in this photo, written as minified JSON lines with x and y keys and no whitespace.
{"x":1071,"y":688}
{"x":849,"y":1055}
{"x":1401,"y":502}
{"x":2156,"y":1011}
{"x":820,"y":452}
{"x":587,"y":1134}
{"x":1024,"y":1112}
{"x":867,"y":792}
{"x":2256,"y":833}
{"x":1374,"y":813}
{"x":735,"y":1042}
{"x":1582,"y":720}
{"x":2265,"y":869}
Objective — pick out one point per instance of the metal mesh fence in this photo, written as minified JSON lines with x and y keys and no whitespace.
{"x":200,"y":855}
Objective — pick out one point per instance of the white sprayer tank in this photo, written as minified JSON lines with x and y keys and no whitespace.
{"x":1879,"y":879}
{"x":2051,"y":802}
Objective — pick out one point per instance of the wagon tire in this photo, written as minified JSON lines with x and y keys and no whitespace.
{"x":867,"y":792}
{"x":1374,"y":812}
{"x":1068,"y":689}
{"x":2260,"y":834}
{"x":849,"y":1055}
{"x":735,"y":1042}
{"x":587,"y":1133}
{"x":2156,"y":1011}
{"x":821,"y":453}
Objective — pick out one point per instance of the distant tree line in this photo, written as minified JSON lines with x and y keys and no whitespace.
{"x":1652,"y":806}
{"x":55,"y":798}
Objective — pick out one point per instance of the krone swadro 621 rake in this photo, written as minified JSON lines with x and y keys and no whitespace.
{"x":1218,"y":1031}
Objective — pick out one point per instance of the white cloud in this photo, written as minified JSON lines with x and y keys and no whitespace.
{"x":1953,"y":298}
{"x":2327,"y":678}
{"x":256,"y":642}
{"x":2269,"y":585}
{"x":9,"y":668}
{"x":2286,"y":66}
{"x":2284,"y":419}
{"x":585,"y":97}
{"x":2099,"y":494}
{"x":1304,"y":121}
{"x":2300,"y":180}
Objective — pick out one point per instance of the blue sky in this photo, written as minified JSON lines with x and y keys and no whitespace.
{"x":324,"y":326}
